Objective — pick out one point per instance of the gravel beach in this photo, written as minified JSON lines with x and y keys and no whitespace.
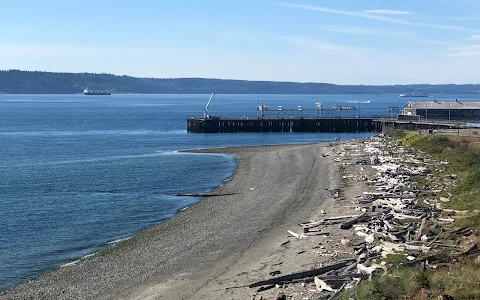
{"x":221,"y":242}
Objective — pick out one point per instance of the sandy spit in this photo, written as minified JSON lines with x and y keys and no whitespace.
{"x":218,"y":243}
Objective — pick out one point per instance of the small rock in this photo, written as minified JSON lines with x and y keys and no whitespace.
{"x":273,"y":273}
{"x":346,"y":242}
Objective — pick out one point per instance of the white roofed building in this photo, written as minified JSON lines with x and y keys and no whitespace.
{"x":443,"y":110}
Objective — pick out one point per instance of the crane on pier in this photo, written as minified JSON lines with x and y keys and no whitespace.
{"x":205,"y":113}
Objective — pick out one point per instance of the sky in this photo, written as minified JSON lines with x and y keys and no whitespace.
{"x":342,"y":41}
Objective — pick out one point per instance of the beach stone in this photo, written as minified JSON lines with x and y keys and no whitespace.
{"x":280,"y":296}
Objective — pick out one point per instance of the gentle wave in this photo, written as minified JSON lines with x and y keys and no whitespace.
{"x":97,"y":159}
{"x":70,"y":264}
{"x":168,"y":151}
{"x":74,"y":262}
{"x":142,"y":104}
{"x":110,"y":158}
{"x":42,"y":101}
{"x":11,"y":100}
{"x":118,"y":240}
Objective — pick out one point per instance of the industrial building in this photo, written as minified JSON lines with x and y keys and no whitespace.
{"x":455,"y":110}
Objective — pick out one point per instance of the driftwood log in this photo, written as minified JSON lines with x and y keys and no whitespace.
{"x":304,"y":274}
{"x":330,"y":279}
{"x":348,"y":224}
{"x":420,"y":229}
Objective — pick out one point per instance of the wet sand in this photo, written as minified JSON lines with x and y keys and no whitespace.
{"x":218,"y":243}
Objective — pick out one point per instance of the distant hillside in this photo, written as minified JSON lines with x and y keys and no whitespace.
{"x":26,"y":82}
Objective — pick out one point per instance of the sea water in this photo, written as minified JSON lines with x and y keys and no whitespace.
{"x":78,"y":172}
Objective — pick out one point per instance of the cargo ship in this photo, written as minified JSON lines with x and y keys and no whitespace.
{"x":413,"y":95}
{"x":95,"y":92}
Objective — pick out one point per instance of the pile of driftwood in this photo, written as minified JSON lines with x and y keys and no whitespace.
{"x":396,"y":215}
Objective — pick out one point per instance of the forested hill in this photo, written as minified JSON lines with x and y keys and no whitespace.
{"x":27,"y":82}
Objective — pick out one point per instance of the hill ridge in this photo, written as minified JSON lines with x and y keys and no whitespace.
{"x":42,"y":82}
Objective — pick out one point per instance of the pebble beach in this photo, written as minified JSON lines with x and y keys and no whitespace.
{"x":218,"y":243}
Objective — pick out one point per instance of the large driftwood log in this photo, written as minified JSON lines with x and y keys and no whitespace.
{"x":304,"y":274}
{"x":348,"y":224}
{"x":330,"y":279}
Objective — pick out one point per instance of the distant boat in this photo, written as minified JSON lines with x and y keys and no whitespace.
{"x":413,"y":95}
{"x":360,"y":102}
{"x":95,"y":92}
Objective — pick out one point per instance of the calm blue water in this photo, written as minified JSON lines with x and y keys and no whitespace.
{"x":77,"y":172}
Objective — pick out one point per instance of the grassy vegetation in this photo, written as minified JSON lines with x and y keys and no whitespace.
{"x":457,"y":277}
{"x":459,"y":280}
{"x":397,"y":258}
{"x":463,"y":163}
{"x":431,"y":144}
{"x":399,"y":283}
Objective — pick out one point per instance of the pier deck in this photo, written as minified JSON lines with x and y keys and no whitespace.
{"x":315,"y":125}
{"x":230,"y":125}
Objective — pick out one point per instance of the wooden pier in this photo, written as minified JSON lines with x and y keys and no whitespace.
{"x":315,"y":125}
{"x":324,"y":120}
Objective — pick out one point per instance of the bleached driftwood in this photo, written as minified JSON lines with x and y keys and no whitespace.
{"x":321,"y":285}
{"x":294,"y":234}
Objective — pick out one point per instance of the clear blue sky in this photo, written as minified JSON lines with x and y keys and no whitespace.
{"x":343,"y":42}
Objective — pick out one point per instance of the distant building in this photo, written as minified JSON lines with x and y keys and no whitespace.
{"x":443,"y":110}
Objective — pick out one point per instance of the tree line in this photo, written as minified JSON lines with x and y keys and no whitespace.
{"x":38,"y":82}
